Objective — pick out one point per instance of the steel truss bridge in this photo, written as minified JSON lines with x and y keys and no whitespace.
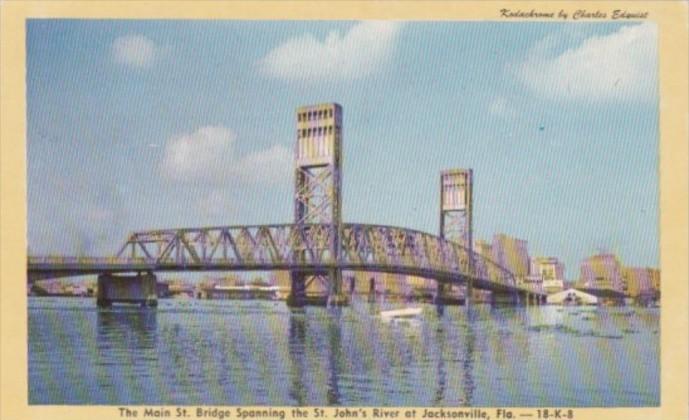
{"x":317,"y":245}
{"x":293,"y":247}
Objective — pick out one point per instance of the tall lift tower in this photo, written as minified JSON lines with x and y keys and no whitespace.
{"x":318,"y":199}
{"x":456,"y":202}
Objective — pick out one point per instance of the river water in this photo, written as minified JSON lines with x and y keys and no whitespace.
{"x":217,"y":352}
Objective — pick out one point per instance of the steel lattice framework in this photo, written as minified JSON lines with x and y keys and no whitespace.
{"x":318,"y":190}
{"x":298,"y":247}
{"x":456,"y":213}
{"x":456,"y":203}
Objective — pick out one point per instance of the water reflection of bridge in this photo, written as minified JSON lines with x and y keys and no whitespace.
{"x":346,"y":376}
{"x":316,"y":248}
{"x":320,"y":357}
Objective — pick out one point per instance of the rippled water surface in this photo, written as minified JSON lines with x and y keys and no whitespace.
{"x":259,"y":353}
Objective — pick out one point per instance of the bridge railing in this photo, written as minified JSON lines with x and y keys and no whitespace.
{"x":86,"y":260}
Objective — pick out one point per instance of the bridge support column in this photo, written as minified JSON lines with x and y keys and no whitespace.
{"x":297,"y":292}
{"x":372,"y":290}
{"x":469,"y":291}
{"x":505,"y":298}
{"x":332,"y":296}
{"x":336,"y":295}
{"x":439,"y":293}
{"x":446,"y":296}
{"x":137,"y":289}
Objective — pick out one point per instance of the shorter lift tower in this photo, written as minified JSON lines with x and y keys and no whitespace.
{"x":456,"y":201}
{"x":318,"y":202}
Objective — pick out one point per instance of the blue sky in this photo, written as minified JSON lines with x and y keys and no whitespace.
{"x":146,"y":124}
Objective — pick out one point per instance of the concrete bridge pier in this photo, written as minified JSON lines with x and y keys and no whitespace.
{"x":445,"y":295}
{"x":297,"y":291}
{"x":372,"y":290}
{"x":439,"y":293}
{"x":137,"y":289}
{"x":506,"y":298}
{"x":301,"y":281}
{"x":336,"y":294}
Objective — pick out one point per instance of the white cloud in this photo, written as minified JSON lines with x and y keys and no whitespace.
{"x":199,"y":154}
{"x":365,"y":48}
{"x":217,"y":205}
{"x":267,"y":166}
{"x":134,"y":50}
{"x":616,"y":67}
{"x":208,"y":154}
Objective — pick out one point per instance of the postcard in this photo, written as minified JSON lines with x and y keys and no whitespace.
{"x":260,"y":210}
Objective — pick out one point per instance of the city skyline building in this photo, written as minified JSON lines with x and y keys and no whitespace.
{"x":640,"y":282}
{"x":654,"y":273}
{"x":637,"y":281}
{"x":602,"y":271}
{"x":511,"y":253}
{"x":551,"y":271}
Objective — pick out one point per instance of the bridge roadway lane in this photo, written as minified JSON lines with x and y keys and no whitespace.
{"x":47,"y":268}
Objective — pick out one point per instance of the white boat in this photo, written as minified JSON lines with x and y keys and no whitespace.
{"x":401,"y":313}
